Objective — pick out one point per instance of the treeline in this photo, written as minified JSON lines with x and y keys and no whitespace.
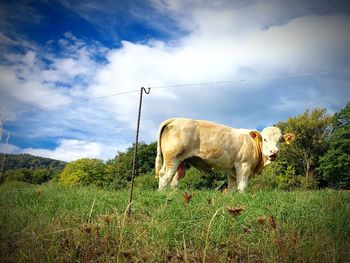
{"x":29,"y":168}
{"x":115,"y":173}
{"x":318,"y":158}
{"x":18,"y":161}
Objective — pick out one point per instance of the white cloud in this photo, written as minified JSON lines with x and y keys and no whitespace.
{"x":20,"y":83}
{"x":214,"y":53}
{"x":29,"y":58}
{"x":37,"y":78}
{"x":9,"y":148}
{"x":69,"y":150}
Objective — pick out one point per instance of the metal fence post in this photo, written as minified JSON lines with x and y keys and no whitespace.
{"x":134,"y":168}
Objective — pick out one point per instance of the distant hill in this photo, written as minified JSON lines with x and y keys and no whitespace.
{"x":17,"y":161}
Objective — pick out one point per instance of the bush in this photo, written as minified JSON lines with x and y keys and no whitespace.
{"x":288,"y":180}
{"x":117,"y":183}
{"x":280,"y":176}
{"x":267,"y":180}
{"x":17,"y":175}
{"x":73,"y":178}
{"x":32,"y":176}
{"x":196,"y":180}
{"x":40,"y":176}
{"x":309,"y":183}
{"x":147,"y":181}
{"x":84,"y":171}
{"x":114,"y":178}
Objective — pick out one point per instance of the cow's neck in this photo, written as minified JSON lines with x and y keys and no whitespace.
{"x":266,"y":160}
{"x":261,"y":164}
{"x":262,"y":159}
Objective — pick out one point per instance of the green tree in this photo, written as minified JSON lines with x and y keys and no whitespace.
{"x":312,"y":130}
{"x":84,"y":171}
{"x":22,"y":174}
{"x":17,"y":161}
{"x":146,"y":157}
{"x":32,"y":176}
{"x":116,"y":172}
{"x":41,"y":175}
{"x":121,"y":165}
{"x":335,"y":164}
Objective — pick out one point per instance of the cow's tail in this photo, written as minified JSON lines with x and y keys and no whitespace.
{"x":159,"y":158}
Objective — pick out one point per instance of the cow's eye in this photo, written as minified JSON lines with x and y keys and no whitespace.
{"x":265,"y":140}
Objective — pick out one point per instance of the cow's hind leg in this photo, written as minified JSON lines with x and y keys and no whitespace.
{"x":166,"y":176}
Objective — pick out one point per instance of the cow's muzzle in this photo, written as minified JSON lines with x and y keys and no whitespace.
{"x":273,"y":156}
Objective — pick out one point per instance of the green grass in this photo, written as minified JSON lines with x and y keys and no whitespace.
{"x":52,"y":223}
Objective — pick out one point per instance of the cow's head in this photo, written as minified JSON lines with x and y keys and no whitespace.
{"x":271,"y":138}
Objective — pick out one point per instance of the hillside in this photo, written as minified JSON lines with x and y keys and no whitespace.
{"x":18,"y":161}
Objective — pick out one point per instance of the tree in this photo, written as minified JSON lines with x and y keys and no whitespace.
{"x":335,"y":164}
{"x":121,"y":165}
{"x":32,"y":176}
{"x":146,"y":157}
{"x":116,"y":171}
{"x":84,"y":171}
{"x":17,"y":161}
{"x":41,"y":175}
{"x":312,"y":130}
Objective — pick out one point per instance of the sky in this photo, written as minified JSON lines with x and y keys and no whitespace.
{"x":71,"y":71}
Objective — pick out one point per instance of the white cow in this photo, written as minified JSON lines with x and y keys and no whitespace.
{"x":208,"y":146}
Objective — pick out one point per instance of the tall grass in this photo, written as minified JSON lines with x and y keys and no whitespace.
{"x":51,"y":223}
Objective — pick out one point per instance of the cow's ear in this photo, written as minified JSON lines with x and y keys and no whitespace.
{"x":289,"y":137}
{"x":256,"y":136}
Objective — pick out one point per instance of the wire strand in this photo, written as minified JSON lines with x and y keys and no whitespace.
{"x":259,"y":78}
{"x":80,"y":101}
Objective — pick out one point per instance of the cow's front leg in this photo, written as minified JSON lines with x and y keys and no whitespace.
{"x":243,"y":171}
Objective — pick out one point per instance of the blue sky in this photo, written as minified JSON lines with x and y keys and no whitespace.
{"x":58,"y":57}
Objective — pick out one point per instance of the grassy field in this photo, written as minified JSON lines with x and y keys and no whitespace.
{"x":51,"y":223}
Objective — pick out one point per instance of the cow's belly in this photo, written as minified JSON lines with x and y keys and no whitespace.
{"x":208,"y":164}
{"x":219,"y":163}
